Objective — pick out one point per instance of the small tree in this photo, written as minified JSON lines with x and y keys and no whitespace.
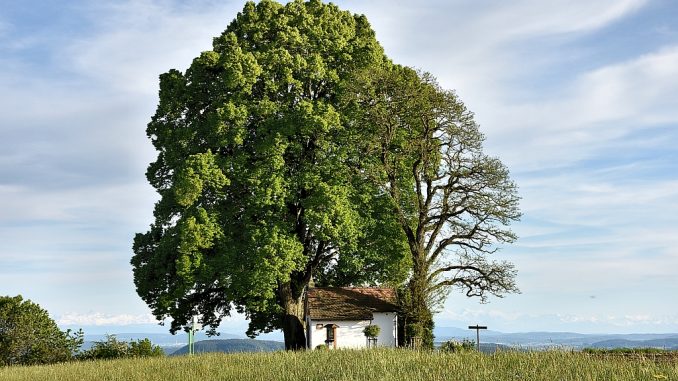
{"x":29,"y":336}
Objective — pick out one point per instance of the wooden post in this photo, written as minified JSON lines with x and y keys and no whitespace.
{"x":477,"y":328}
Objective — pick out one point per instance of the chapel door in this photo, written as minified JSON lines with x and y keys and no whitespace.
{"x":331,"y":334}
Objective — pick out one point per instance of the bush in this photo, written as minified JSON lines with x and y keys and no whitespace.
{"x":144,"y":348}
{"x":465,"y":345}
{"x":372,"y":330}
{"x":29,"y":336}
{"x":111,"y":348}
{"x":321,"y":347}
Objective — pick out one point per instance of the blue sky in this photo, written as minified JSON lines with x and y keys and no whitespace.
{"x":579,"y":99}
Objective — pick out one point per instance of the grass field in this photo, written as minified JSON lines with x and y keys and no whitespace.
{"x":362,"y":365}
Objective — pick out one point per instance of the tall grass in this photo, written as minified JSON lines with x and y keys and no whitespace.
{"x":382,"y":364}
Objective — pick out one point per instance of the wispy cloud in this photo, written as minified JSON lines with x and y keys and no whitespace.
{"x":530,"y":19}
{"x":599,"y":107}
{"x":100,"y":319}
{"x":141,"y":39}
{"x":99,"y":204}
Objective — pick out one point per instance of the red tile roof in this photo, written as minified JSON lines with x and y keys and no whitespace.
{"x":349,"y":303}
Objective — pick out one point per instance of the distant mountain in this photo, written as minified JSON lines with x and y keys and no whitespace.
{"x":168,"y":342}
{"x":232,"y":345}
{"x":542,"y":340}
{"x":668,"y":343}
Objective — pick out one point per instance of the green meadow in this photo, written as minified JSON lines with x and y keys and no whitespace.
{"x":383,"y":364}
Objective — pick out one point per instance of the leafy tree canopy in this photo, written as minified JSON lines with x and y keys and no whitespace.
{"x":255,"y":170}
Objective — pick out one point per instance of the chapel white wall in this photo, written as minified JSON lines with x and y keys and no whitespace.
{"x":350,"y":332}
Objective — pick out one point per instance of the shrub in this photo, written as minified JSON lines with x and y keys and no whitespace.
{"x":29,"y":336}
{"x":111,"y":348}
{"x":465,"y":345}
{"x":372,"y":330}
{"x":144,"y":348}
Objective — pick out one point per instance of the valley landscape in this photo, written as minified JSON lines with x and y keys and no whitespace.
{"x":490,"y":341}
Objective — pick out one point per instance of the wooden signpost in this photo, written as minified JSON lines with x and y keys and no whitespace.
{"x":477,"y":328}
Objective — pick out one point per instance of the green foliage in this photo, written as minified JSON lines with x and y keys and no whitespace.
{"x":111,"y":348}
{"x":372,"y":330}
{"x":256,"y":171}
{"x":452,"y":202}
{"x":417,"y":317}
{"x":144,"y":348}
{"x":465,"y":345}
{"x":359,"y":365}
{"x":75,"y":340}
{"x":29,"y":336}
{"x":322,"y":347}
{"x":414,"y":330}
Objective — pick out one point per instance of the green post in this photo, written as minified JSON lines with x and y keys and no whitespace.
{"x":190,"y":341}
{"x":192,"y":328}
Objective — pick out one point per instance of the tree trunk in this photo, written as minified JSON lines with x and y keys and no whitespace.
{"x":417,"y":309}
{"x":293,"y":321}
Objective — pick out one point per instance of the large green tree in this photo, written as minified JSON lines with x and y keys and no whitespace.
{"x":453,"y":203}
{"x":29,"y":336}
{"x":255,"y":171}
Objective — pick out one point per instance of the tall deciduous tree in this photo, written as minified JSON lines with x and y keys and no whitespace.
{"x":453,"y":202}
{"x":257,"y":197}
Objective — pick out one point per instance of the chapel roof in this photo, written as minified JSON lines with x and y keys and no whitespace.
{"x":349,"y":303}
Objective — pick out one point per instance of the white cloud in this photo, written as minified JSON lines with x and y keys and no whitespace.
{"x":583,"y":199}
{"x":480,"y":50}
{"x":600,"y":107}
{"x":525,"y":19}
{"x":141,"y":40}
{"x":639,"y":90}
{"x":101,"y":319}
{"x":116,"y":204}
